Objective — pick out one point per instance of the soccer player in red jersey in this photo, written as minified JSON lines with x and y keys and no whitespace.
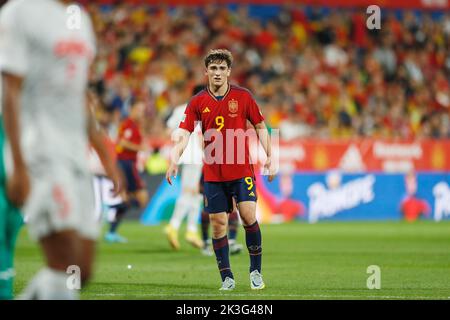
{"x":129,"y":143}
{"x":223,"y":111}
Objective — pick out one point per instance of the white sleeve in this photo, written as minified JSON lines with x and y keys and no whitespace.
{"x":176,"y":117}
{"x":172,"y":122}
{"x":13,"y":42}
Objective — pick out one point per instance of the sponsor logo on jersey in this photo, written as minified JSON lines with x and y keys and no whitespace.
{"x":206,"y":110}
{"x":72,"y":47}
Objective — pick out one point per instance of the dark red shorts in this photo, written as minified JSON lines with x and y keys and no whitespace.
{"x":133,"y":180}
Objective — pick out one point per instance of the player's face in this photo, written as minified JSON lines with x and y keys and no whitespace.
{"x":139,"y":110}
{"x":218,"y":73}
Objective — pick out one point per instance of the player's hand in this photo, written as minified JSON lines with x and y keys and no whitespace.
{"x":116,"y":178}
{"x":18,"y":186}
{"x":268,"y":169}
{"x":118,"y":185}
{"x":171,"y":172}
{"x":144,"y":147}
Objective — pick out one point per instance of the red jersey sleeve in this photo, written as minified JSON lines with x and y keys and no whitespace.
{"x":190,"y":117}
{"x":254,"y":114}
{"x":122,"y":128}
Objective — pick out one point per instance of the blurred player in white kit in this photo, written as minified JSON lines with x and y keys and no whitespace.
{"x":48,"y":123}
{"x":190,"y":200}
{"x":106,"y":203}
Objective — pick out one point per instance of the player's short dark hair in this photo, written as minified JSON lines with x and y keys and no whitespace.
{"x":219,"y":55}
{"x":134,"y":101}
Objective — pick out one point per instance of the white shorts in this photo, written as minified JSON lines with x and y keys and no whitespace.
{"x":61,"y":199}
{"x":104,"y":197}
{"x":190,"y":176}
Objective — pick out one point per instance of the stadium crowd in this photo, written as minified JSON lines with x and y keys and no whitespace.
{"x":314,"y":72}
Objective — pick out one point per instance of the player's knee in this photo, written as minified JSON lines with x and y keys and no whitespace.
{"x":192,"y":191}
{"x":248,"y":220}
{"x":219,"y":226}
{"x":61,"y":250}
{"x":219,"y":233}
{"x":219,"y":221}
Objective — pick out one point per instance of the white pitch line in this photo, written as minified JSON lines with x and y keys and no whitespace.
{"x":265,"y":295}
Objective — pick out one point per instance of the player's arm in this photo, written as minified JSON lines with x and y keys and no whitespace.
{"x":18,"y":185}
{"x":126,"y":144}
{"x":14,"y":62}
{"x":264,"y":138}
{"x":256,"y":118}
{"x":96,"y":138}
{"x":181,"y":139}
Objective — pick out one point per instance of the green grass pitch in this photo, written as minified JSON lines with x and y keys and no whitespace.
{"x":328,"y":260}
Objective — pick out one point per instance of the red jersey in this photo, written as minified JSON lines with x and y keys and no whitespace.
{"x":129,"y":131}
{"x":219,"y":119}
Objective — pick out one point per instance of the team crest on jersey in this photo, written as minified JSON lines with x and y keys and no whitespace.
{"x":233,"y":107}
